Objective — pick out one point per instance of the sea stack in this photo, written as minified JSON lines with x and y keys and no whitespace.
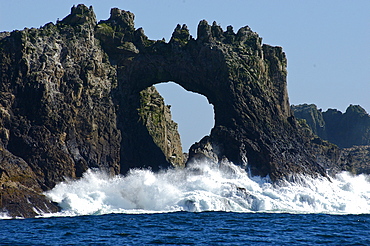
{"x":78,"y":94}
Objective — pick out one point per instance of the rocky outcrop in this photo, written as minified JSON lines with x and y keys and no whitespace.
{"x":313,"y":117}
{"x":243,"y":79}
{"x":355,"y":159}
{"x":58,"y":115}
{"x":156,"y":117}
{"x":77,"y":94}
{"x":20,"y":193}
{"x":343,"y":129}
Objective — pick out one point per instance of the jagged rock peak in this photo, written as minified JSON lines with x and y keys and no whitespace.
{"x":180,"y":34}
{"x":118,"y":33}
{"x":356,"y":109}
{"x":230,"y":30}
{"x":204,"y":33}
{"x":122,"y":18}
{"x":243,"y":33}
{"x":207,"y":33}
{"x":217,"y":31}
{"x":80,"y":15}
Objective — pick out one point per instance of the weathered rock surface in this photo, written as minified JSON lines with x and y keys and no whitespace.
{"x":58,"y":115}
{"x":343,"y":129}
{"x":21,"y":194}
{"x":243,"y":79}
{"x":355,"y":159}
{"x":313,"y":117}
{"x":158,"y":121}
{"x":77,"y":95}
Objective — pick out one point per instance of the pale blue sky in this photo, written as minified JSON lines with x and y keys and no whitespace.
{"x":327,"y":43}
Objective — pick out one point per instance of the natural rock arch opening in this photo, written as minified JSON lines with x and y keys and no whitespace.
{"x":191,"y":111}
{"x":242,"y":78}
{"x":150,"y":137}
{"x":79,"y":95}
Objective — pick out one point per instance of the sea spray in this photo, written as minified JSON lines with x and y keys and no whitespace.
{"x":209,"y":187}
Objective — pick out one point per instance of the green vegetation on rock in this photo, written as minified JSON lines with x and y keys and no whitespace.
{"x":156,"y":116}
{"x":104,"y":29}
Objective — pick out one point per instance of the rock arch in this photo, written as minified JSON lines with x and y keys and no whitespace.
{"x":76,"y":95}
{"x":244,"y":79}
{"x":192,"y":111}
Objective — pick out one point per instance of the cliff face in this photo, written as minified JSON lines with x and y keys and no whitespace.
{"x":343,"y":129}
{"x":58,"y":115}
{"x":152,"y":139}
{"x":313,"y":117}
{"x":325,"y":131}
{"x":156,"y":116}
{"x":78,"y":95}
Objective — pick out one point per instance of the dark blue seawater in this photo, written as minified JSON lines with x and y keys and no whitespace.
{"x":188,"y":228}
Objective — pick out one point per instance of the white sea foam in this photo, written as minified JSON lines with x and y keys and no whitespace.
{"x":205,"y":187}
{"x":4,"y":216}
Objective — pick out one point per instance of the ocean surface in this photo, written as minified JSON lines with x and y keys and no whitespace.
{"x":189,"y":228}
{"x":204,"y":204}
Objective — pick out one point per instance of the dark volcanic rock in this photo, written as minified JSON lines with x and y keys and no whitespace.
{"x":355,"y":159}
{"x":20,"y":192}
{"x":313,"y":118}
{"x":77,"y":95}
{"x":243,"y":79}
{"x":57,"y":111}
{"x":155,"y":141}
{"x":57,"y":114}
{"x":343,"y":129}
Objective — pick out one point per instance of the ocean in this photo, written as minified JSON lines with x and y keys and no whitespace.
{"x":204,"y":204}
{"x":189,"y":228}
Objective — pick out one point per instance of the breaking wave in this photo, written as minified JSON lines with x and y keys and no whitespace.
{"x":209,"y":187}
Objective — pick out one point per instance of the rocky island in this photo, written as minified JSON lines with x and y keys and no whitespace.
{"x":79,"y":94}
{"x":348,"y":129}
